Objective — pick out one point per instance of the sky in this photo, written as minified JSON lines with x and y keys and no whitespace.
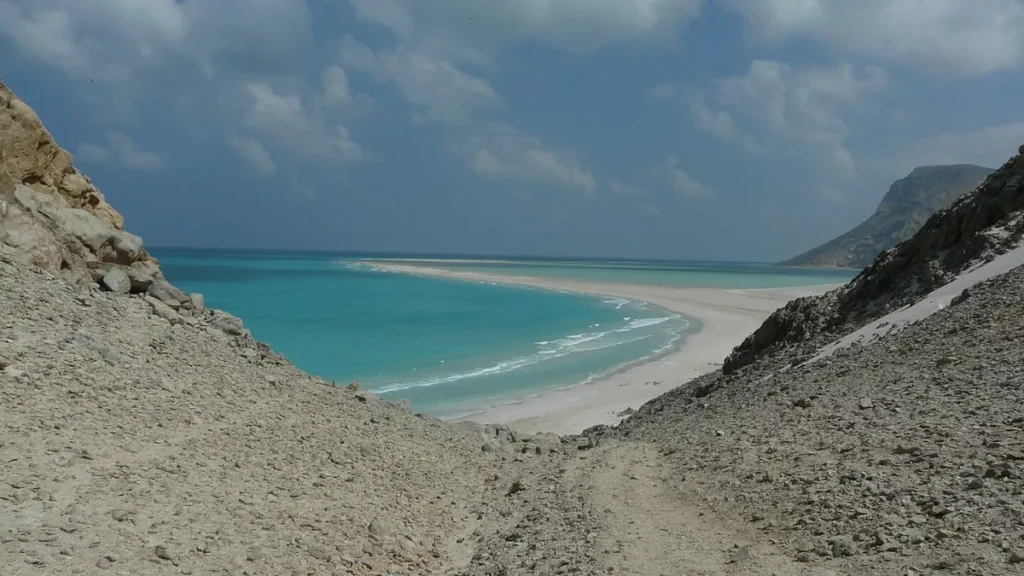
{"x":681,"y":129}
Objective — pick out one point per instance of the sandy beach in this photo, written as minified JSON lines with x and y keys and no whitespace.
{"x":726,"y":317}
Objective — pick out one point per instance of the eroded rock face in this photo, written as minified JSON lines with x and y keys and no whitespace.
{"x":51,"y":215}
{"x":976,"y":227}
{"x":54,"y":218}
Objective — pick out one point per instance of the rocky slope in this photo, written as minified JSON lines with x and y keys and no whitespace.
{"x":141,"y":433}
{"x":907,"y":205}
{"x":977,"y":226}
{"x":135,"y":445}
{"x":905,"y":456}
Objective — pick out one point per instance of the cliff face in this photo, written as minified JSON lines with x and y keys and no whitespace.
{"x":904,"y":209}
{"x":976,"y":227}
{"x":51,"y":215}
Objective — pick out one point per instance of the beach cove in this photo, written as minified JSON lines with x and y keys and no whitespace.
{"x":725,"y":317}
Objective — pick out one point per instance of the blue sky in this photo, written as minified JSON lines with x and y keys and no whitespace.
{"x":706,"y":129}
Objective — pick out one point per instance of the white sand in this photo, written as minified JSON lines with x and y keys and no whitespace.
{"x":726,"y":316}
{"x":930,"y":304}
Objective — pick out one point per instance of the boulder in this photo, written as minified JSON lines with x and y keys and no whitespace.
{"x":163,"y":291}
{"x":198,"y":301}
{"x":162,"y":310}
{"x":21,"y":231}
{"x":141,"y":281}
{"x":116,"y":281}
{"x":227,"y":323}
{"x":60,"y":210}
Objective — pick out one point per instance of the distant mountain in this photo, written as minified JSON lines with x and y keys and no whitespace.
{"x":904,"y":209}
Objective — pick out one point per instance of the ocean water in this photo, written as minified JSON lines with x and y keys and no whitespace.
{"x":451,"y":346}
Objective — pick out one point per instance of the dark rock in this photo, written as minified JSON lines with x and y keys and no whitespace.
{"x":843,"y":546}
{"x":960,"y":298}
{"x":517,"y":486}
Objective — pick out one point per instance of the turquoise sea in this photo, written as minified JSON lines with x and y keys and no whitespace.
{"x":451,"y":346}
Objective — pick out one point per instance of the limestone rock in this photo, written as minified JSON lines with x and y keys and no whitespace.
{"x":163,"y":310}
{"x":163,"y":291}
{"x":117,"y":281}
{"x":50,"y":212}
{"x":227,"y":323}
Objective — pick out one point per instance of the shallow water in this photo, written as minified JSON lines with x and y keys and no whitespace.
{"x":449,"y":345}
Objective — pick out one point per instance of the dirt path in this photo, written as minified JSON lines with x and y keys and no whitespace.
{"x":653,"y":527}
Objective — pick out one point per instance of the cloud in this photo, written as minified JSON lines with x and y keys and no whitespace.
{"x":104,"y":39}
{"x":252,"y":151}
{"x":621,"y":188}
{"x":469,"y":30}
{"x":990,"y":146}
{"x":719,"y":123}
{"x":113,"y":40}
{"x":121,"y":151}
{"x":499,"y":151}
{"x":954,"y":37}
{"x":665,"y":91}
{"x":802,"y":106}
{"x":284,"y":118}
{"x":247,"y":37}
{"x":442,"y":94}
{"x":682,"y":182}
{"x":437,"y":88}
{"x":830,"y":193}
{"x":338,"y":97}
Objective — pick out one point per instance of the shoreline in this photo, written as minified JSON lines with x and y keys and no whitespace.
{"x":726,"y":316}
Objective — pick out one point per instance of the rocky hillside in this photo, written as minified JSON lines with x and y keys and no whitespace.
{"x":977,"y":226}
{"x":141,"y":433}
{"x":904,"y":209}
{"x":905,"y":456}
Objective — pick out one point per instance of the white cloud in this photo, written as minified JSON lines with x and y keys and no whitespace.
{"x":441,"y":92}
{"x":120,"y":150}
{"x":959,"y":37}
{"x":682,"y":182}
{"x":105,"y":39}
{"x":112,"y":40}
{"x":803,"y":106}
{"x":664,"y":91}
{"x":247,"y":37}
{"x":284,"y":117}
{"x":990,"y":146}
{"x":719,"y":123}
{"x":617,"y":187}
{"x":252,"y":151}
{"x":498,"y":151}
{"x":473,"y":30}
{"x":830,"y":193}
{"x":338,"y":97}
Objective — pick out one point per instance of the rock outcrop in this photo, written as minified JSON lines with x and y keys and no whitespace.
{"x":53,"y":217}
{"x":51,"y":214}
{"x":904,"y":209}
{"x":976,"y":227}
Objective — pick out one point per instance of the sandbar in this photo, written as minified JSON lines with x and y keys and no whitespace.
{"x":726,"y":317}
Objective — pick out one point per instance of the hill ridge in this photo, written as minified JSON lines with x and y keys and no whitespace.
{"x":905,"y":207}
